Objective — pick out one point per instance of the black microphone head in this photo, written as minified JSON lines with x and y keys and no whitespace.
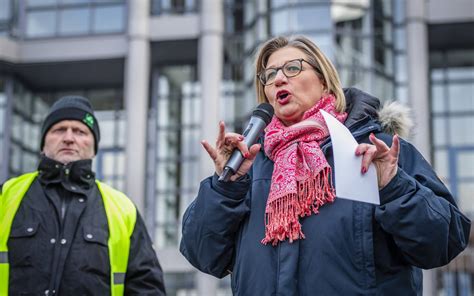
{"x":264,"y":111}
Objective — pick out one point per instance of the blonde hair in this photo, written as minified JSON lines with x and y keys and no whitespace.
{"x":322,"y":65}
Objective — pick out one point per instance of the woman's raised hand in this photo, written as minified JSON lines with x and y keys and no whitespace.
{"x":383,"y":157}
{"x":225,"y":145}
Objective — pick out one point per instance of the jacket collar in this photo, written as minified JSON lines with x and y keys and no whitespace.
{"x":78,"y":173}
{"x":359,"y":106}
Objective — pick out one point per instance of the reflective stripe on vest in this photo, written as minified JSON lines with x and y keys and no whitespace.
{"x":121,"y":217}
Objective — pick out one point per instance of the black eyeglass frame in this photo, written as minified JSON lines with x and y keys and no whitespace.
{"x":260,"y":75}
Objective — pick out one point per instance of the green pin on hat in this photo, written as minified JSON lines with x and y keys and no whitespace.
{"x":89,"y":120}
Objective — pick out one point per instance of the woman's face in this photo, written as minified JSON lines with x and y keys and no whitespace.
{"x":292,"y":97}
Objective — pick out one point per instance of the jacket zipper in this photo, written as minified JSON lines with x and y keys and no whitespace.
{"x":54,"y":283}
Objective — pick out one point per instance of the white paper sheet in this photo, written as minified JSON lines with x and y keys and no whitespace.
{"x":350,"y":182}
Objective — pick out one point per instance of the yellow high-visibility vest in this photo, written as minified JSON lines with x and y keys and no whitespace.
{"x":121,"y":217}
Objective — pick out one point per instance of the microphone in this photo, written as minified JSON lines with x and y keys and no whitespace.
{"x":261,"y":116}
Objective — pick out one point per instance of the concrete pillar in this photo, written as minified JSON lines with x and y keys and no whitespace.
{"x":418,"y":98}
{"x":137,"y":77}
{"x":7,"y":130}
{"x":418,"y":83}
{"x":210,"y":76}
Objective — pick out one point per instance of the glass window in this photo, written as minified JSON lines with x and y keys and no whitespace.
{"x":399,"y":11}
{"x":464,"y":198}
{"x":438,"y":98}
{"x":190,"y":141}
{"x":175,"y":144}
{"x":173,"y":6}
{"x":2,"y":120}
{"x":387,"y":8}
{"x":106,"y":99}
{"x":27,"y":133}
{"x":400,"y":38}
{"x":439,"y":131}
{"x":107,"y":138}
{"x":121,"y":126}
{"x":36,"y":3}
{"x":191,"y":111}
{"x":41,"y":23}
{"x":29,"y":162}
{"x":109,"y":19}
{"x":441,"y":163}
{"x":75,"y":1}
{"x":325,"y":43}
{"x":401,"y":68}
{"x":74,"y":21}
{"x":277,"y":3}
{"x":461,"y":96}
{"x":3,"y":96}
{"x":401,"y":93}
{"x":460,"y":130}
{"x":108,"y":164}
{"x":35,"y":136}
{"x":5,"y":11}
{"x":280,"y":22}
{"x":312,"y":17}
{"x":40,"y":109}
{"x":17,"y":123}
{"x":108,"y":1}
{"x":437,"y":74}
{"x":465,"y":278}
{"x":465,"y":165}
{"x":346,"y":11}
{"x":462,"y":72}
{"x":387,"y":31}
{"x":74,"y":17}
{"x":389,"y":61}
{"x":301,"y":19}
{"x":250,"y":8}
{"x":15,"y":160}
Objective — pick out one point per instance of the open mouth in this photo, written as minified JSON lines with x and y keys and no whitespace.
{"x":282,"y":94}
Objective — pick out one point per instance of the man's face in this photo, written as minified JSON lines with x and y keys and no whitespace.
{"x":68,"y":141}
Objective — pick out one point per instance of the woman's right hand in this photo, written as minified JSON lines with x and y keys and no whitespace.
{"x":225,"y":145}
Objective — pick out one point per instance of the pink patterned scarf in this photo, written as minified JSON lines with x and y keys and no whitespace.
{"x":301,"y":180}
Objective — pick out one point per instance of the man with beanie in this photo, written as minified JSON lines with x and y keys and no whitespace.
{"x":65,"y":233}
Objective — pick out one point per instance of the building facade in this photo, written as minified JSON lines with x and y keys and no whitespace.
{"x":162,"y":73}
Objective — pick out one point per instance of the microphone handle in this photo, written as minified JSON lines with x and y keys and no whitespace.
{"x":226,"y":174}
{"x":251,"y":134}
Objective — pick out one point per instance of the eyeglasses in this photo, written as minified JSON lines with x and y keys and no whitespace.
{"x":290,"y":69}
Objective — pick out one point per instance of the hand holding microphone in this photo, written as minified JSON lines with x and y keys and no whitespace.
{"x":234,"y":153}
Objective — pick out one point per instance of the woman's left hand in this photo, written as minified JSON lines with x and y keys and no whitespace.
{"x":383,"y":157}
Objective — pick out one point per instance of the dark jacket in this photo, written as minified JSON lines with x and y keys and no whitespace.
{"x":58,"y":239}
{"x":351,"y":248}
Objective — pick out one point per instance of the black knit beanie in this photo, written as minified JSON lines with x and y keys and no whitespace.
{"x":72,"y":108}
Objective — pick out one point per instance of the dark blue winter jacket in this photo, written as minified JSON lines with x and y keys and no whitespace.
{"x":351,"y":248}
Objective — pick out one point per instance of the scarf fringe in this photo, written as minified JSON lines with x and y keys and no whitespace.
{"x":282,"y":214}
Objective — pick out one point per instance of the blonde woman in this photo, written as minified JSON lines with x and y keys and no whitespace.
{"x":278,"y":227}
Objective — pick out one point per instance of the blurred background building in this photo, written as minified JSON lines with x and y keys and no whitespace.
{"x":162,"y":73}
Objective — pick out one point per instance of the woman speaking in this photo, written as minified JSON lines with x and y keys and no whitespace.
{"x":278,"y":226}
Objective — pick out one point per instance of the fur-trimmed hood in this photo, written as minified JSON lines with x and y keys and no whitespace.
{"x":393,"y":116}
